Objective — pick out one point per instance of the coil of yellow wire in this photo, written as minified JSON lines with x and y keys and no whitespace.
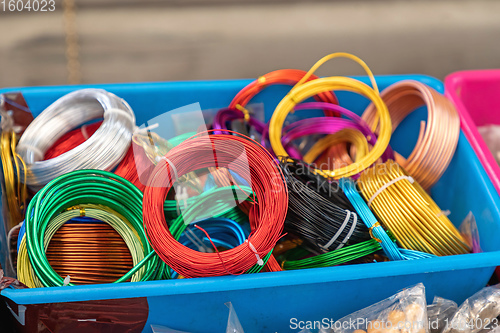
{"x":404,"y":207}
{"x":303,"y":90}
{"x":15,"y":189}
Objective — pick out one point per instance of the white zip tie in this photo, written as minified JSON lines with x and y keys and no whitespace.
{"x":260,"y":262}
{"x":386,"y":185}
{"x":66,"y":281}
{"x":138,"y":130}
{"x":183,"y":196}
{"x":171,"y":165}
{"x":339,"y":231}
{"x":346,"y":239}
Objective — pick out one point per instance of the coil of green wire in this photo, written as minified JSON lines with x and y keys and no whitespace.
{"x":336,"y":257}
{"x":95,"y":189}
{"x":102,"y":213}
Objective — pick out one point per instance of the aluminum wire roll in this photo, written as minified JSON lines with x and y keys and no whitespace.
{"x":104,"y":150}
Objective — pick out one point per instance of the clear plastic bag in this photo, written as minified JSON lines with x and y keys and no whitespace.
{"x":163,"y":329}
{"x":404,"y":312}
{"x":491,"y":135}
{"x":478,"y":313}
{"x":6,"y":282}
{"x":468,"y":229}
{"x":233,"y":323}
{"x":439,"y":313}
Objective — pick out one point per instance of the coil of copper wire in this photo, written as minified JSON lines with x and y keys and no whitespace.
{"x":89,"y":252}
{"x":438,"y":137}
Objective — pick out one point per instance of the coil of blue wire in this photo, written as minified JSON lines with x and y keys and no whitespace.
{"x":390,"y":248}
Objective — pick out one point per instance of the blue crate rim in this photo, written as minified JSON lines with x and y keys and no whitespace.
{"x":181,"y":84}
{"x":262,"y":280}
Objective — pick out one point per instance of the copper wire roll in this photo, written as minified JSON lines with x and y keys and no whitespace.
{"x":89,"y":252}
{"x":437,"y":138}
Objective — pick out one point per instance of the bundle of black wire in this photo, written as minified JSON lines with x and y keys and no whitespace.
{"x":318,"y":210}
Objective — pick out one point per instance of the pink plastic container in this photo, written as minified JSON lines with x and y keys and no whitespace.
{"x":476,"y":95}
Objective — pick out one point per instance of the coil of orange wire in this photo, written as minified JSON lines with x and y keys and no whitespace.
{"x":223,"y":178}
{"x":252,"y":163}
{"x":288,"y":77}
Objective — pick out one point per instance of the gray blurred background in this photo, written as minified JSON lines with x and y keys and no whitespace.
{"x":99,"y":41}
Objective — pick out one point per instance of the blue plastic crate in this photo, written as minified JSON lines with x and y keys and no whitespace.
{"x":266,"y":302}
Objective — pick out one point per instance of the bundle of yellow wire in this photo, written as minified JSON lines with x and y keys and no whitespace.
{"x":408,"y":211}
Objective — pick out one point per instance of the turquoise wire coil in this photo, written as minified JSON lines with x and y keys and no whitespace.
{"x":390,"y":248}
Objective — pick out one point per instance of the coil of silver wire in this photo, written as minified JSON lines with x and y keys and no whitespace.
{"x":104,"y":150}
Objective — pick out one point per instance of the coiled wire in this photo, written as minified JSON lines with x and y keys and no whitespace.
{"x":247,"y":159}
{"x":102,"y":213}
{"x":280,"y":77}
{"x":223,"y":232}
{"x":377,"y":232}
{"x":225,"y":222}
{"x":15,"y":188}
{"x":339,"y":141}
{"x":438,"y":137}
{"x":218,"y":201}
{"x":102,"y":151}
{"x":89,"y":251}
{"x":318,"y":211}
{"x":135,"y":158}
{"x":409,"y":212}
{"x":370,"y":137}
{"x":336,"y":257}
{"x":303,"y":90}
{"x":310,"y":126}
{"x":87,"y":187}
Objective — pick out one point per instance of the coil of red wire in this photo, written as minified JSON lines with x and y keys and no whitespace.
{"x":250,"y":161}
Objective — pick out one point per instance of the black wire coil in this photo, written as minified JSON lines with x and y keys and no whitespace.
{"x":318,"y":210}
